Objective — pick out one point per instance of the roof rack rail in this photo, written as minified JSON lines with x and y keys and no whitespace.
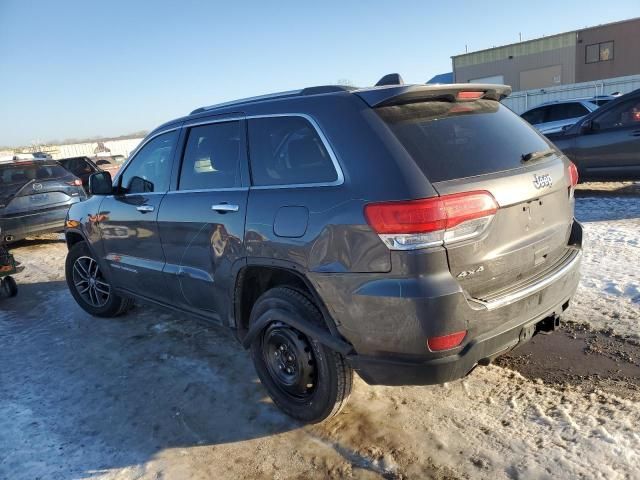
{"x":327,"y":89}
{"x":271,"y":96}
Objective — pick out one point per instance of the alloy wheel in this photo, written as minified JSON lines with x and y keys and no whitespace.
{"x":89,"y":282}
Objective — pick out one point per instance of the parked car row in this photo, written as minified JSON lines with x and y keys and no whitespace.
{"x":36,"y":192}
{"x":604,"y":143}
{"x":552,"y":117}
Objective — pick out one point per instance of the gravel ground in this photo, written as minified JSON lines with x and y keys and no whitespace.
{"x":155,"y":395}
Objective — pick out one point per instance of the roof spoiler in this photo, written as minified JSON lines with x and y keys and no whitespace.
{"x":401,"y":94}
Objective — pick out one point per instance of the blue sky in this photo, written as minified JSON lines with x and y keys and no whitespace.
{"x":86,"y":68}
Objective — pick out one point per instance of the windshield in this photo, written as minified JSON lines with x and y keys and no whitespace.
{"x":456,"y":140}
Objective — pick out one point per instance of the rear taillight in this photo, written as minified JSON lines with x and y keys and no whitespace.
{"x":75,"y":183}
{"x":573,"y":174}
{"x":446,"y":342}
{"x":433,"y":221}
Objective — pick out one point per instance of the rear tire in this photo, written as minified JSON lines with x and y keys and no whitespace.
{"x":88,"y":286}
{"x":9,"y":286}
{"x":306,"y":380}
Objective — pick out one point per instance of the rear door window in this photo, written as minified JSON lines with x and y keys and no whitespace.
{"x":456,"y":140}
{"x":212,"y":157}
{"x":288,"y":151}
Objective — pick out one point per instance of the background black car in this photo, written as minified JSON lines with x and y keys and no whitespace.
{"x":81,"y":167}
{"x":35,"y":197}
{"x":605,"y":145}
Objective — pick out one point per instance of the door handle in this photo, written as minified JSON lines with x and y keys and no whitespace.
{"x":635,"y":133}
{"x":145,"y":208}
{"x":225,"y":207}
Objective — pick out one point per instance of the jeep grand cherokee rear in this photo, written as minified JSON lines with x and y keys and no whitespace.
{"x":481,"y":267}
{"x":407,"y":232}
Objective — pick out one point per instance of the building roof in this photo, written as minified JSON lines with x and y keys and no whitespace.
{"x":549,"y":40}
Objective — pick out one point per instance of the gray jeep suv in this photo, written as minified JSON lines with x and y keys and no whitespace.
{"x":405,"y":232}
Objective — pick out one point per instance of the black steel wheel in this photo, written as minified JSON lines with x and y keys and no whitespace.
{"x":9,"y":286}
{"x":89,"y":286}
{"x":290,"y":360}
{"x":306,"y":379}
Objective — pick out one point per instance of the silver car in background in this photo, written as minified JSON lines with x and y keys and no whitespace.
{"x":553,"y":117}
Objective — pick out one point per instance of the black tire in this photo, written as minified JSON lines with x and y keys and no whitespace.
{"x":320,"y":382}
{"x":97,"y":304}
{"x":9,"y":286}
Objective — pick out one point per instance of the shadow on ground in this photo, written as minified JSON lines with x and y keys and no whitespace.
{"x":81,"y":395}
{"x":608,"y":189}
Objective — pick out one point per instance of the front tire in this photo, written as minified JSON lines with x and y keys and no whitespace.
{"x":88,"y":286}
{"x":305,"y":379}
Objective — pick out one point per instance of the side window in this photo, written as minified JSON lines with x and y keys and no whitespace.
{"x":150,"y":169}
{"x":535,"y":116}
{"x":564,"y":111}
{"x":626,"y":114}
{"x":211,"y":157}
{"x":288,"y":151}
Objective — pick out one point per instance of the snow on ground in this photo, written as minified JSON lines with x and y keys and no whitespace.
{"x":155,"y":395}
{"x":609,"y":294}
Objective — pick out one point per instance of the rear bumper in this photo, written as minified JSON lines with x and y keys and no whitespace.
{"x":479,"y":351}
{"x":21,"y":226}
{"x":388,"y":320}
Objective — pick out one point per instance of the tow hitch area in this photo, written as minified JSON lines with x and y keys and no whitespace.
{"x":548,"y":325}
{"x":527,"y":333}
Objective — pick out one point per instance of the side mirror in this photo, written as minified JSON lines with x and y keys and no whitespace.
{"x":587,"y":127}
{"x":140,"y":185}
{"x":100,"y":183}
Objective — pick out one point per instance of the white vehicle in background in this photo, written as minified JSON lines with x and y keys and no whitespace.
{"x":26,"y":156}
{"x":554,"y":116}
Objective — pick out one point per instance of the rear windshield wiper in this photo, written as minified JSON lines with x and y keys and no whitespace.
{"x":528,"y":157}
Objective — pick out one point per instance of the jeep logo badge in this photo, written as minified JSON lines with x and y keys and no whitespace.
{"x":542,"y":181}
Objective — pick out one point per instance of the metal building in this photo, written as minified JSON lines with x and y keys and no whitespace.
{"x":589,"y":54}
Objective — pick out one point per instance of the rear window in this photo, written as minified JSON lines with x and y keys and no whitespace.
{"x":457,"y":140}
{"x":19,"y":174}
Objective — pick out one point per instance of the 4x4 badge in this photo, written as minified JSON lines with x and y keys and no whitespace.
{"x":542,"y":181}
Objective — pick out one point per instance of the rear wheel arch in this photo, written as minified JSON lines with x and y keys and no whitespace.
{"x":255,"y":279}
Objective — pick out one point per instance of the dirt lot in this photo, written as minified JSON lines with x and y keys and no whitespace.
{"x":155,"y":395}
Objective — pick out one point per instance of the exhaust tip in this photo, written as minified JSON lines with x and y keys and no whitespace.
{"x":9,"y":238}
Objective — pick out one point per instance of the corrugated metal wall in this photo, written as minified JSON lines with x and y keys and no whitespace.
{"x":117,"y":147}
{"x":511,"y":69}
{"x":521,"y":101}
